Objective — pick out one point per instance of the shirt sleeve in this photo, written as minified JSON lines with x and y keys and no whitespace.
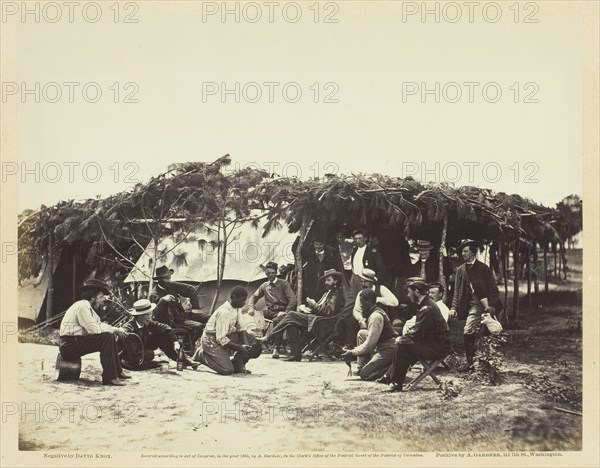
{"x":89,"y":320}
{"x":374,"y":329}
{"x":291,"y":297}
{"x":260,"y":292}
{"x":357,"y":310}
{"x":387,"y":298}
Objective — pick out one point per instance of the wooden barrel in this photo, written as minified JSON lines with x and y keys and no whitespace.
{"x":67,"y":369}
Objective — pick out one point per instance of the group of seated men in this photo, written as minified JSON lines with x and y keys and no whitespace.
{"x":384,"y":350}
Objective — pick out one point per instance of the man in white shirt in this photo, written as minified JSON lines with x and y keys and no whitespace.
{"x":82,"y":332}
{"x":224,"y":335}
{"x":385,"y":297}
{"x":364,"y":255}
{"x":436,"y":294}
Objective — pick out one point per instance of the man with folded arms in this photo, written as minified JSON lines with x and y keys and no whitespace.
{"x":82,"y":332}
{"x":152,"y":335}
{"x":376,"y":345}
{"x":224,"y":336}
{"x":279,"y":300}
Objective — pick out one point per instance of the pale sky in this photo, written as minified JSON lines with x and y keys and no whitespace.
{"x":370,"y":56}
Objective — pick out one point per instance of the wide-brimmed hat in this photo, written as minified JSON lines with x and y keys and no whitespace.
{"x":141,"y":307}
{"x":272,"y":265}
{"x":368,"y":275}
{"x":96,"y":284}
{"x":332,"y":272}
{"x":423,"y":245}
{"x":468,"y":242}
{"x":416,"y":281}
{"x":163,"y":272}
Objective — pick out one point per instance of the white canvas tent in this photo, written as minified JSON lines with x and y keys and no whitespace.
{"x":194,"y":260}
{"x":32,"y":292}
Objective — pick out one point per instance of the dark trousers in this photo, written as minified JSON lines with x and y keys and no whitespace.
{"x":194,"y":327}
{"x":273,"y":316}
{"x":73,"y":347}
{"x":131,"y":352}
{"x":294,"y":338}
{"x":408,"y":354}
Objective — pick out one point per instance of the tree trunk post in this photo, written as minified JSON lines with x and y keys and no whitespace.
{"x":536,"y":285}
{"x":50,"y":296}
{"x":546,"y":267}
{"x":516,"y":260}
{"x":298,"y":253}
{"x":74,"y":275}
{"x":505,"y":253}
{"x":529,"y":298}
{"x":441,"y":276}
{"x":554,"y":255}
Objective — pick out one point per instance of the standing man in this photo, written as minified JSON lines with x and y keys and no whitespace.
{"x":152,"y":335}
{"x":475,"y":292}
{"x":169,"y":309}
{"x":364,"y":255}
{"x":427,"y":339}
{"x":225,"y":346}
{"x":423,"y":264}
{"x":317,"y":260}
{"x":279,"y":300}
{"x":82,"y":332}
{"x":376,"y":345}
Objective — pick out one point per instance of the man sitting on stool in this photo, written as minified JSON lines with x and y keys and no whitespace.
{"x":427,"y":339}
{"x":82,"y":332}
{"x":152,"y":335}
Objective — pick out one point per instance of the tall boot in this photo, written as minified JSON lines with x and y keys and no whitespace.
{"x":469,"y":340}
{"x":188,"y":362}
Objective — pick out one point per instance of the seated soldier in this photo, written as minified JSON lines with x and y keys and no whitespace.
{"x":436,"y":293}
{"x":376,"y":345}
{"x":427,"y":339}
{"x":279,"y":299}
{"x":225,"y":346}
{"x":152,"y":335}
{"x":330,"y":304}
{"x":169,"y":309}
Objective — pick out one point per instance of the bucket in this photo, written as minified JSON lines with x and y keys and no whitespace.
{"x":67,"y":369}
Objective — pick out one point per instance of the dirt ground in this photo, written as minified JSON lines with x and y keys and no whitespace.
{"x":315,"y":407}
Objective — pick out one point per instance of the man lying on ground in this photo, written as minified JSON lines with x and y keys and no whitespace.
{"x":376,"y":345}
{"x":225,"y":346}
{"x":145,"y":336}
{"x":82,"y":332}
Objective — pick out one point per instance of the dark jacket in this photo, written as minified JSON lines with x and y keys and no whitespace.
{"x":313,"y":269}
{"x":430,"y":326}
{"x":149,"y":331}
{"x":172,"y":313}
{"x":330,"y":304}
{"x":372,"y":259}
{"x":484,"y":285}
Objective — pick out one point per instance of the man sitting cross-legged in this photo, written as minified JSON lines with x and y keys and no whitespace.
{"x":152,"y":335}
{"x":225,"y":346}
{"x":376,"y":345}
{"x":279,"y":299}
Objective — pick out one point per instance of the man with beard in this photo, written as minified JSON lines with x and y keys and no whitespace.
{"x":279,"y":300}
{"x":475,"y":293}
{"x":82,"y":332}
{"x":169,"y":309}
{"x":427,"y":339}
{"x":376,"y":345}
{"x":151,"y":335}
{"x":330,"y":304}
{"x":225,"y":345}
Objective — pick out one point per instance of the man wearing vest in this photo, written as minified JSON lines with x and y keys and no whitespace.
{"x":376,"y":345}
{"x":475,"y":293}
{"x":385,"y":297}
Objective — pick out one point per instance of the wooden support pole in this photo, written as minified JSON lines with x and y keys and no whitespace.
{"x":545,"y":267}
{"x":529,"y":298}
{"x":441,"y":276}
{"x":536,"y":285}
{"x":50,"y":294}
{"x":73,"y":273}
{"x":554,"y":254}
{"x":505,"y":252}
{"x":516,"y":261}
{"x":298,"y":253}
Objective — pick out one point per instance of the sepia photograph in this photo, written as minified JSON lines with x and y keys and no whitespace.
{"x":308,"y":233}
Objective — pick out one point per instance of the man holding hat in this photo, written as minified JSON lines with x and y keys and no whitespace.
{"x":169,"y":309}
{"x":279,"y":300}
{"x":427,"y":339}
{"x":330,"y":304}
{"x":82,"y":332}
{"x":152,"y":335}
{"x":475,"y":293}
